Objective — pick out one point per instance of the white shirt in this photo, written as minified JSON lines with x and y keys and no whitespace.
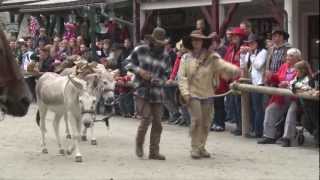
{"x":26,"y":60}
{"x":258,"y":61}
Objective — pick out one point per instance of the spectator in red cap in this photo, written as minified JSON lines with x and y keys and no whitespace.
{"x":233,"y":56}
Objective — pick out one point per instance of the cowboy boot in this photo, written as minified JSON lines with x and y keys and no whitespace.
{"x":204,"y":153}
{"x":195,"y":154}
{"x":140,"y":140}
{"x":154,"y":153}
{"x":155,"y":136}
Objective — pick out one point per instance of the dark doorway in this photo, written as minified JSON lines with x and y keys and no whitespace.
{"x":313,"y":41}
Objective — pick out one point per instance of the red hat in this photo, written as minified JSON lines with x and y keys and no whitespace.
{"x":238,"y":32}
{"x":70,"y":26}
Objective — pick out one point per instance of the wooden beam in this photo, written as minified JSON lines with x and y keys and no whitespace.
{"x":146,"y":24}
{"x":227,"y":20}
{"x":277,"y":12}
{"x":272,"y":91}
{"x":207,"y":16}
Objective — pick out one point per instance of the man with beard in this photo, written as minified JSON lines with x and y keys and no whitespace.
{"x":151,"y":65}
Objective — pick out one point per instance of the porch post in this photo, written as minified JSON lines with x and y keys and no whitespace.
{"x":136,"y":21}
{"x":291,"y":7}
{"x":215,"y":15}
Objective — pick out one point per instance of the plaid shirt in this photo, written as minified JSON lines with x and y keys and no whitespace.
{"x":142,"y":57}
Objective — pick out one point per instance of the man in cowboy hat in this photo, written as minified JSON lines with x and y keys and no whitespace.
{"x":278,"y":51}
{"x":151,"y":65}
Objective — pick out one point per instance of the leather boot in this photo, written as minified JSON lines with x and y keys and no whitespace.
{"x":140,"y":141}
{"x":139,"y":150}
{"x":204,"y":153}
{"x":157,"y":156}
{"x":195,"y":154}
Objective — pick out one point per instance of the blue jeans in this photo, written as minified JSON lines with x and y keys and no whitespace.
{"x":170,"y":104}
{"x":235,"y":110}
{"x":227,"y":109}
{"x":126,"y":104}
{"x":257,"y":113}
{"x":185,"y":114}
{"x":219,"y":115}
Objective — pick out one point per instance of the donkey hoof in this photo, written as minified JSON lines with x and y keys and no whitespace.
{"x":61,"y":151}
{"x":78,"y":158}
{"x":69,"y":152}
{"x":45,"y":151}
{"x":84,"y":138}
{"x":68,"y":136}
{"x":94,"y":142}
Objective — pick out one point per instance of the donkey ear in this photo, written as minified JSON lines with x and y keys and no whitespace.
{"x":92,"y":79}
{"x":95,"y":81}
{"x":79,"y":83}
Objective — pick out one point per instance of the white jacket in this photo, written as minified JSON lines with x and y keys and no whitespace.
{"x":258,"y":61}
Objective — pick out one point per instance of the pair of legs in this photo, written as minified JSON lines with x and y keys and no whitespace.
{"x":257,"y":113}
{"x":75,"y":127}
{"x":201,"y":112}
{"x":219,"y":115}
{"x":151,"y":114}
{"x":126,"y":104}
{"x":170,"y":104}
{"x":235,"y":112}
{"x":274,"y":112}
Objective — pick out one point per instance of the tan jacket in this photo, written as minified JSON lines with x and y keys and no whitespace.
{"x":203,"y":81}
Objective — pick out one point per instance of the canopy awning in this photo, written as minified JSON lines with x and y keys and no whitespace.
{"x":58,"y":5}
{"x":171,"y":4}
{"x":9,"y":5}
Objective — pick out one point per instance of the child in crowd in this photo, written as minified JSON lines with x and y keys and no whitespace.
{"x":301,"y":81}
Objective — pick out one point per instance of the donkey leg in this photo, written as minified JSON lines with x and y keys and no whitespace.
{"x":56,"y":127}
{"x":93,"y":138}
{"x":68,"y":135}
{"x":84,"y":134}
{"x":75,"y":136}
{"x":43,"y":113}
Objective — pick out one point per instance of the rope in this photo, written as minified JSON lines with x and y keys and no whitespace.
{"x":214,"y":96}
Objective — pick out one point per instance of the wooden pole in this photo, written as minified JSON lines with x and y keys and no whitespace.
{"x":272,"y":91}
{"x":136,"y":21}
{"x":215,"y":15}
{"x":92,"y":20}
{"x":232,"y":9}
{"x":245,"y":113}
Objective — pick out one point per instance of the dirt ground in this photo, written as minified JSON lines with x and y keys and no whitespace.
{"x":234,"y":158}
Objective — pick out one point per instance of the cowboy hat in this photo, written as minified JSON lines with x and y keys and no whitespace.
{"x":252,"y":37}
{"x":158,"y":36}
{"x":280,"y":31}
{"x":197,"y":34}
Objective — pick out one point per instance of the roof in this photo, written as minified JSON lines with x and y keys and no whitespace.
{"x":56,"y":5}
{"x":50,"y":5}
{"x":9,"y":5}
{"x":170,"y":4}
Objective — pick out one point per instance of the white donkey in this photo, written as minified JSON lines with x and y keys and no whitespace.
{"x":101,"y":85}
{"x":65,"y":95}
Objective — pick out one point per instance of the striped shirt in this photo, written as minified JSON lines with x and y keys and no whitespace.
{"x":142,"y":57}
{"x":277,"y":57}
